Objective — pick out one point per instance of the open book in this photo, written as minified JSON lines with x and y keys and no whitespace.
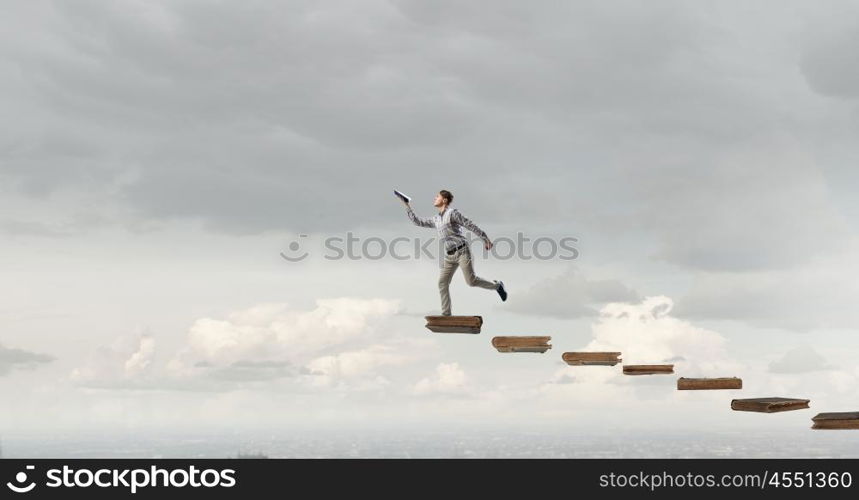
{"x":402,"y":196}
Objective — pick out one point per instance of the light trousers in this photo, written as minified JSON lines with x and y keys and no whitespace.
{"x":460,"y":258}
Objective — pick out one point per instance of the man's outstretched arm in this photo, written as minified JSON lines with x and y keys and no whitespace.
{"x":418,"y":221}
{"x":466,"y":222}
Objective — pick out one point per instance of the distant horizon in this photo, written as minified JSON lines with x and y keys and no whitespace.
{"x":473,"y":444}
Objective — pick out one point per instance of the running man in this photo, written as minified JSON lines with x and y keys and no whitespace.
{"x":449,"y":224}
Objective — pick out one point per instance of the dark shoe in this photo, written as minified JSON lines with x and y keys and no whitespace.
{"x":501,"y":291}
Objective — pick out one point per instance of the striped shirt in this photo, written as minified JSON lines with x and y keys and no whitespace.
{"x":449,"y":225}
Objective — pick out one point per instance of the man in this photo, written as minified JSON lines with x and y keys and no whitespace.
{"x":449,"y":224}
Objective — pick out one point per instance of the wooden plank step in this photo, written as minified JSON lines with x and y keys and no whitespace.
{"x":836,"y":420}
{"x":769,"y":405}
{"x":472,"y":321}
{"x":704,"y":384}
{"x":591,"y":358}
{"x":522,"y":344}
{"x":454,"y":324}
{"x":452,"y":329}
{"x":647,"y":369}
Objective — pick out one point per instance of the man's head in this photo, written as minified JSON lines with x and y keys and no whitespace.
{"x":443,"y":198}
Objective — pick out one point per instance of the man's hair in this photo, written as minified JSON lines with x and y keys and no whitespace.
{"x":447,"y":195}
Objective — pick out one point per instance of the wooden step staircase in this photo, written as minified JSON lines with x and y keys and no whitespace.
{"x":540,"y":344}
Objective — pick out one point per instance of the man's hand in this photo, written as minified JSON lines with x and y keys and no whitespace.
{"x":488,"y":245}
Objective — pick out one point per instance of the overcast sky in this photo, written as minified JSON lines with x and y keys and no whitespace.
{"x":157,"y":157}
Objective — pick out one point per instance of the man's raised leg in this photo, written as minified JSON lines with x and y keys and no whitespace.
{"x":472,"y":279}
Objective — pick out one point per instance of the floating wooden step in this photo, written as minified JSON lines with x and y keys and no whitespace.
{"x":591,"y":358}
{"x":522,"y":344}
{"x":647,"y":369}
{"x":454,"y":324}
{"x":704,"y":384}
{"x":769,"y":405}
{"x":837,"y":420}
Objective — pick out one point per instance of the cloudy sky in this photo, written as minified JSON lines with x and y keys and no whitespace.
{"x":156,"y":158}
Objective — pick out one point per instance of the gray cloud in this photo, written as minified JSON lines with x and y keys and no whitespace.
{"x":570,"y":295}
{"x":747,"y":218}
{"x":14,"y":227}
{"x":19,"y":359}
{"x":819,"y":296}
{"x":801,"y":359}
{"x":668,"y":132}
{"x":831,"y":65}
{"x":271,"y":116}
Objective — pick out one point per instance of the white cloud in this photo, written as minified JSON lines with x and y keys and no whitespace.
{"x":336,"y":341}
{"x":127,"y":362}
{"x":356,"y":364}
{"x":140,"y":360}
{"x":276,"y":331}
{"x":449,"y":378}
{"x":646,"y":333}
